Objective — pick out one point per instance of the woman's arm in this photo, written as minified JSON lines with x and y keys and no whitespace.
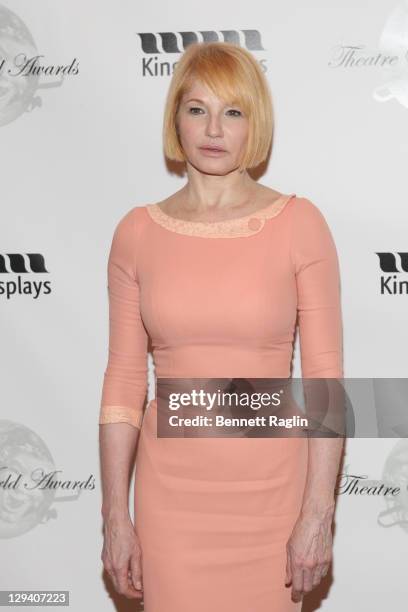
{"x":321,"y":338}
{"x":121,"y":553}
{"x":316,"y":269}
{"x":121,"y":410}
{"x":117,"y":443}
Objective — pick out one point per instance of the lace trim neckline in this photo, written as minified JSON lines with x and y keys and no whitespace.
{"x":228,"y":228}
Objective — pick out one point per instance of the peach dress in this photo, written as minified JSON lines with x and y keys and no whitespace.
{"x":218,"y":299}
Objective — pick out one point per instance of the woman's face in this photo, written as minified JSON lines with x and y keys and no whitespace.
{"x":206,"y":121}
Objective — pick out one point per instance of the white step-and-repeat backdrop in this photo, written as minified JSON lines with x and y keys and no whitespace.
{"x":82,"y":91}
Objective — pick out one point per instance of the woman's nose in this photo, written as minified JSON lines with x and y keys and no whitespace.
{"x":214,"y":127}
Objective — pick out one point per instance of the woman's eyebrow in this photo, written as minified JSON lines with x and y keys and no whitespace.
{"x":195,"y":100}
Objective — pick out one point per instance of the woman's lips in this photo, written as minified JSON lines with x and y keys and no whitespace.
{"x":212,"y":151}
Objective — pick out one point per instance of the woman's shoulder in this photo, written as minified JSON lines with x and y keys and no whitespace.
{"x":129,"y":225}
{"x":306,"y":205}
{"x":132,"y":216}
{"x":307,"y":213}
{"x":303,"y":207}
{"x":311,"y":233}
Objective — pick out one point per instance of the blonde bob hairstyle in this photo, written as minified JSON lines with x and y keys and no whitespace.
{"x":233,"y":75}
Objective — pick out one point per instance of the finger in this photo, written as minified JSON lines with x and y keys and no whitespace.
{"x":124,"y":587}
{"x":297,"y":596}
{"x":136,"y":581}
{"x":297,"y":579}
{"x":308,"y":575}
{"x":326,"y":567}
{"x":288,"y":576}
{"x":136,"y":572}
{"x":317,"y":575}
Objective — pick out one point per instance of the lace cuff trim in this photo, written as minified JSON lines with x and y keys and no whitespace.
{"x":120,"y":414}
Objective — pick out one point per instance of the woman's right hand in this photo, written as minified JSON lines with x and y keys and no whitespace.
{"x":121,"y":556}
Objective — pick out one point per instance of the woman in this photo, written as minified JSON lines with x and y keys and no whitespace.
{"x":216,"y":275}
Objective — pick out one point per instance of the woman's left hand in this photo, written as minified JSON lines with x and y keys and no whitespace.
{"x":309,"y":551}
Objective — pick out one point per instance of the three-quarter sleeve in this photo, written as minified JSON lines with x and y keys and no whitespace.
{"x":315,"y":260}
{"x":125,"y":378}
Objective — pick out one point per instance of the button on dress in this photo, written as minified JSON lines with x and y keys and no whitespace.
{"x":218,"y":299}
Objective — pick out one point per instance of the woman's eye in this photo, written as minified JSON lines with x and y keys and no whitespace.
{"x":234,"y":110}
{"x":194,"y":108}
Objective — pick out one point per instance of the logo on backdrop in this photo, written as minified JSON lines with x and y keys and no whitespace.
{"x":392,"y":488}
{"x":21,"y":68}
{"x":155,"y":45}
{"x":13,"y":267}
{"x":389,"y":58}
{"x":394,"y":265}
{"x":30,"y":484}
